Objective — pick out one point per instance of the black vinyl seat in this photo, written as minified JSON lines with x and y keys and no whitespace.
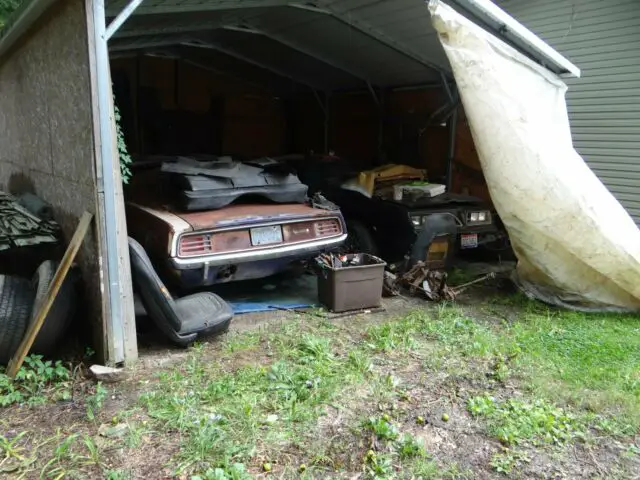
{"x":182,"y":320}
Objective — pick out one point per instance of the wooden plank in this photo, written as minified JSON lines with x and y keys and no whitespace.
{"x":54,"y":288}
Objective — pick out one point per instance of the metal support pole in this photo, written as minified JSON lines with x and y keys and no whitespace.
{"x":445,"y":85}
{"x":321,"y":102}
{"x":121,"y":18}
{"x":106,"y":177}
{"x":381,"y":112}
{"x":373,"y":93}
{"x":326,"y":123}
{"x":453,"y":126}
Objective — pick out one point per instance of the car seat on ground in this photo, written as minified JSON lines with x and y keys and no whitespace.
{"x":182,"y":320}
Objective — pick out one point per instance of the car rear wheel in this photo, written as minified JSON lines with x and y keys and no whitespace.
{"x":360,"y":239}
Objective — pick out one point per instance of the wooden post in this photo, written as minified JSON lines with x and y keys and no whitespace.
{"x":54,"y":288}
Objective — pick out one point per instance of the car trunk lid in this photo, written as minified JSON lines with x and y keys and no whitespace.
{"x":249,"y":214}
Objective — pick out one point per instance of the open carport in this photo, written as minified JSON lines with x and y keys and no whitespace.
{"x":367,"y":78}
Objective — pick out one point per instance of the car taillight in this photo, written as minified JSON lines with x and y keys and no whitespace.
{"x":193,"y":245}
{"x":328,"y":228}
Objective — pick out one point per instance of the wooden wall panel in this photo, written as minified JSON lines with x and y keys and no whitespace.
{"x":467,"y":172}
{"x":253,"y":126}
{"x":410,"y":138}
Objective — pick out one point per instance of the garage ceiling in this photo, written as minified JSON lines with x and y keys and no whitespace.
{"x":325,"y":45}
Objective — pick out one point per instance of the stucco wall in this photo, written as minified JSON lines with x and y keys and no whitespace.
{"x":46,"y":139}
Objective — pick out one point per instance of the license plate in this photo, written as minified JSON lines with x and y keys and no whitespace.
{"x":266,"y":235}
{"x":469,"y":240}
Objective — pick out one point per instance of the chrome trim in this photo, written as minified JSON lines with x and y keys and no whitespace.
{"x":256,"y":255}
{"x":478,"y":223}
{"x":422,"y":215}
{"x":266,"y":224}
{"x":176,"y":243}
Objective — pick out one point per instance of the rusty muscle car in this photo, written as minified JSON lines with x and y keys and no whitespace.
{"x":246,"y":239}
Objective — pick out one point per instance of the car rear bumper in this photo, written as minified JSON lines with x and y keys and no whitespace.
{"x":205,"y":271}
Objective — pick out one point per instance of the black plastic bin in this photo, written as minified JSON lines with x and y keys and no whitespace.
{"x":345,"y":288}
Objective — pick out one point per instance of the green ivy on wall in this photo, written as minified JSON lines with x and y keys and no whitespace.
{"x":6,"y":8}
{"x":123,"y":153}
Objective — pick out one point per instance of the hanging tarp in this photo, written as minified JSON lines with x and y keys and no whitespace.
{"x":576,"y":245}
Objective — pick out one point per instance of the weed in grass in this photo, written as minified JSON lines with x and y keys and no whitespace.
{"x":500,"y":370}
{"x":407,"y":447}
{"x":72,"y":458}
{"x":392,"y":336}
{"x":36,"y":382}
{"x":237,"y":342}
{"x":426,"y":469}
{"x":382,"y":428}
{"x":359,"y":362}
{"x":508,"y":459}
{"x":515,"y":421}
{"x":378,"y":466}
{"x":236,"y":471}
{"x":632,"y":451}
{"x":611,"y":426}
{"x":314,"y":349}
{"x":95,"y":401}
{"x":118,"y":475}
{"x":93,"y":453}
{"x":13,"y":455}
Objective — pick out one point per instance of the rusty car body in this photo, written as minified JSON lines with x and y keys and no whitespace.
{"x":240,"y":241}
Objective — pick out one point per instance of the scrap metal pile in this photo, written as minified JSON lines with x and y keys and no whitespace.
{"x":21,"y":228}
{"x":430,"y":284}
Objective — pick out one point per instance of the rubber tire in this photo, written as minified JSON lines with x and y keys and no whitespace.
{"x":61,"y":313}
{"x":16,"y":303}
{"x":365,"y":240}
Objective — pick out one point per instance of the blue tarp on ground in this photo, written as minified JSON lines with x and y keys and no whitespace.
{"x":280,"y":292}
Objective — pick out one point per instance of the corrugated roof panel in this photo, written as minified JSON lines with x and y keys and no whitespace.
{"x":282,"y":58}
{"x":386,"y":43}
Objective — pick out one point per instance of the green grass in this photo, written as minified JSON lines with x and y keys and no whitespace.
{"x":227,"y":419}
{"x":515,"y":421}
{"x":592,"y":360}
{"x":316,"y":399}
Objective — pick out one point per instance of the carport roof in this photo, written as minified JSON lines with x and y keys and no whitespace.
{"x":322,"y":44}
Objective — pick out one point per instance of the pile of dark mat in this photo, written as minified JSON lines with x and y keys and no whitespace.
{"x":215,"y":182}
{"x":20,"y":227}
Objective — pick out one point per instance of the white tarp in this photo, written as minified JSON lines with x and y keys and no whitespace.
{"x":576,"y":245}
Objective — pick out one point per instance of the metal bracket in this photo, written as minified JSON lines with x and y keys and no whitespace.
{"x":322,"y":104}
{"x":373,"y":93}
{"x":122,"y":17}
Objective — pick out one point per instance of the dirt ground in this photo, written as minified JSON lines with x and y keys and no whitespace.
{"x":388,"y":395}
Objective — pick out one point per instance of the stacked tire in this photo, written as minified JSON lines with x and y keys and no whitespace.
{"x":16,"y":304}
{"x":20,"y":300}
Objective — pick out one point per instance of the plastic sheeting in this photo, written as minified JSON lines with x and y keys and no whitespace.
{"x":576,"y":245}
